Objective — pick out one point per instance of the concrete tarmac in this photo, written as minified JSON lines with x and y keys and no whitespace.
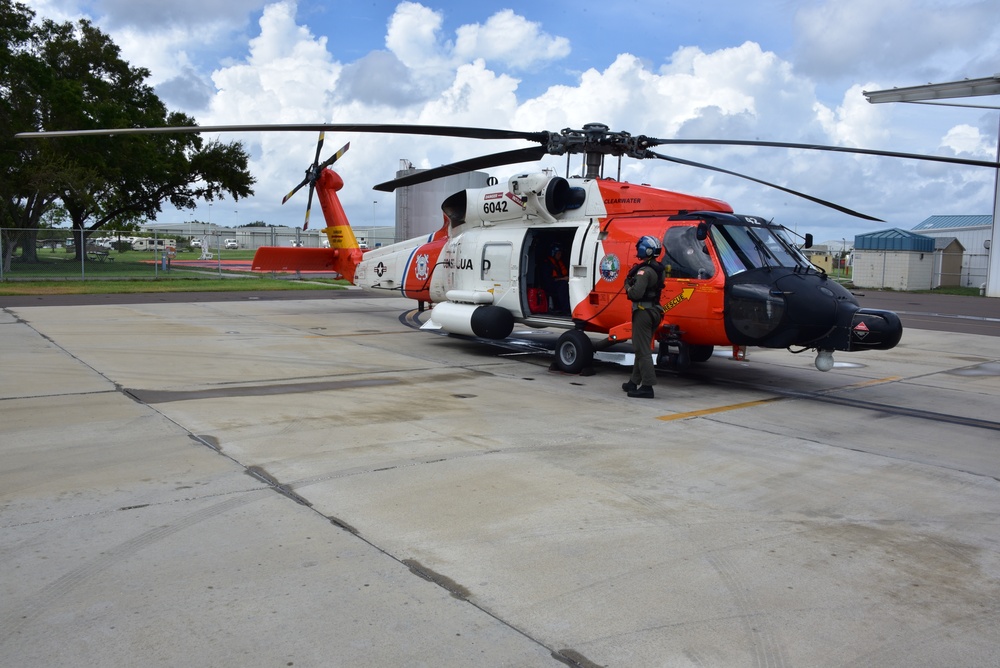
{"x":315,"y":482}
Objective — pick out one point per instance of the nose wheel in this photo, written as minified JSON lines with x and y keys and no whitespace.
{"x":673,"y":354}
{"x":677,"y":355}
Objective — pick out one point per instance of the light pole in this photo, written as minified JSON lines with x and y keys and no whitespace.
{"x":843,"y":257}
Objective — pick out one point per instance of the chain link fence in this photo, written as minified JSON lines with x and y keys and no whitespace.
{"x":913,"y":270}
{"x":52,"y":254}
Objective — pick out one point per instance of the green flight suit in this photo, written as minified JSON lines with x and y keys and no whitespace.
{"x":647,"y":313}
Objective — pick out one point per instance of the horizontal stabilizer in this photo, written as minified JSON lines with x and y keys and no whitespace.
{"x":278,"y":258}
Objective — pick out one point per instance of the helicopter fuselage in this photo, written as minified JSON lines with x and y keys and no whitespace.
{"x":730,"y":280}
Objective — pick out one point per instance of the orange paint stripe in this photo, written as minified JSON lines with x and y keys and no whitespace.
{"x":719,"y":409}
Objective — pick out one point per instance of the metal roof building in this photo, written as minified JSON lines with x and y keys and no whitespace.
{"x":935,"y":223}
{"x":894,"y":239}
{"x":895,"y":259}
{"x":973,"y":232}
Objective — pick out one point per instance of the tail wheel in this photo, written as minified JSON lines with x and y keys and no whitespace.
{"x":574,"y":351}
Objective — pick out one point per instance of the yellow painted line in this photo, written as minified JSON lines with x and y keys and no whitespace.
{"x":719,"y":409}
{"x":864,"y":383}
{"x":751,"y":404}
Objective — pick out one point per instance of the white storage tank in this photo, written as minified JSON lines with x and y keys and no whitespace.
{"x":418,"y":208}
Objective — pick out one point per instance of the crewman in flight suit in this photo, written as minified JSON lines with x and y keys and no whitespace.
{"x":557,"y":280}
{"x":643,"y":286}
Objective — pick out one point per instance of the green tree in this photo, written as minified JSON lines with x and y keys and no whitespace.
{"x":73,"y":77}
{"x":25,"y":194}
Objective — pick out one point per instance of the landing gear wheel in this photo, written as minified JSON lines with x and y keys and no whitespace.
{"x":701,"y":353}
{"x":666,"y":361}
{"x":674,"y":356}
{"x":574,"y":351}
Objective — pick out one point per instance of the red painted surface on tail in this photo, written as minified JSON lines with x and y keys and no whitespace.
{"x":342,"y":256}
{"x":279,"y":258}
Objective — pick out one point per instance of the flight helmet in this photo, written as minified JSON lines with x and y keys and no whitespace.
{"x":648,"y":247}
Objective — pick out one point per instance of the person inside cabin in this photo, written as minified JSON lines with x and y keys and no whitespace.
{"x":557,"y":280}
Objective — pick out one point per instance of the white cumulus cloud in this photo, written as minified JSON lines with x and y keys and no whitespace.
{"x":511,"y":40}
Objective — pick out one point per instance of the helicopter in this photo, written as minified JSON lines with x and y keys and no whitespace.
{"x":731,"y":280}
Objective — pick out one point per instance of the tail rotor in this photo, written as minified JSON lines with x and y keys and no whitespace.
{"x":313,"y":172}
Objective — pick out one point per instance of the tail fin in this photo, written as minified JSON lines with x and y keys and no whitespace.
{"x":342,"y":256}
{"x":338,"y":229}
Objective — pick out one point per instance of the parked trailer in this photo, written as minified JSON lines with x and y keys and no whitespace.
{"x":146,"y":243}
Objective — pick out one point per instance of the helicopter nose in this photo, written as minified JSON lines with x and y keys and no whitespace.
{"x":828,"y":317}
{"x":779,"y":309}
{"x":870,"y":329}
{"x":816,"y":305}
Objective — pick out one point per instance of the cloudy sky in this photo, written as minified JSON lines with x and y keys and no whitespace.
{"x":782,"y":70}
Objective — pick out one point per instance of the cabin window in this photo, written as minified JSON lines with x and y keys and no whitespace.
{"x":685,"y":256}
{"x":496,"y":263}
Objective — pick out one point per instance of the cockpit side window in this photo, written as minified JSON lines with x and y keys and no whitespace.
{"x":743,"y":247}
{"x":685,"y":256}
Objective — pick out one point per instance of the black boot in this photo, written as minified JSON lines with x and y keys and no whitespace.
{"x":629,"y":386}
{"x":642,"y":392}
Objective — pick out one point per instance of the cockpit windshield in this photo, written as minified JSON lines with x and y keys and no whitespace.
{"x":753,"y":244}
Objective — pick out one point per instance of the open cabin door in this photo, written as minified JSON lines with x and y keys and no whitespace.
{"x":545,"y":248}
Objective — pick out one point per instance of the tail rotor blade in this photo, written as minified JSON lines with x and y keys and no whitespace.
{"x":294,"y":190}
{"x":312,"y":188}
{"x":312,"y":174}
{"x":319,"y":145}
{"x":335,"y":157}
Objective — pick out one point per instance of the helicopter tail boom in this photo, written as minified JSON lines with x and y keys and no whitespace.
{"x":344,"y":252}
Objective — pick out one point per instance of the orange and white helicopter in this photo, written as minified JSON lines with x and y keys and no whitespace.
{"x":731,"y":280}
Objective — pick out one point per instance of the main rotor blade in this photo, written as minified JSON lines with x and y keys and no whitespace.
{"x":824,"y":202}
{"x":483,"y":162}
{"x":375,"y":128}
{"x":652,"y":141}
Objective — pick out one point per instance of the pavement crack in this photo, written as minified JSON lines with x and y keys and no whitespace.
{"x":265,"y":477}
{"x":573,"y":658}
{"x":455,"y":589}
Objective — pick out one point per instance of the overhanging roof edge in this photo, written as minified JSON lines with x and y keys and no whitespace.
{"x":940,"y":91}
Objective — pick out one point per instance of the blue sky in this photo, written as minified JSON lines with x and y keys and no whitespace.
{"x":784,"y":70}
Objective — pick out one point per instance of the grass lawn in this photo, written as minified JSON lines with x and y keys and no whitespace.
{"x":104,"y":287}
{"x":967,"y":292}
{"x":59,"y":263}
{"x":58,"y":272}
